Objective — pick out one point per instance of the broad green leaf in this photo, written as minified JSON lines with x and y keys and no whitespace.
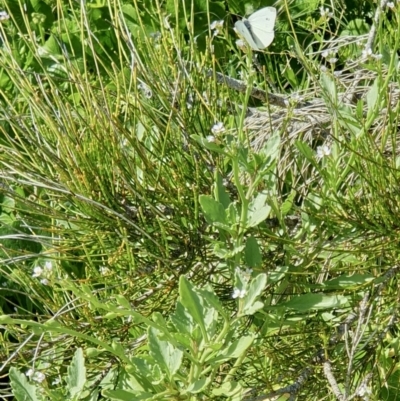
{"x":123,"y":301}
{"x":213,"y":210}
{"x":228,"y":389}
{"x":310,"y":301}
{"x":252,"y":252}
{"x":329,"y":92}
{"x":306,"y":151}
{"x":272,"y":148}
{"x":208,"y":145}
{"x":122,"y":395}
{"x":192,"y":301}
{"x":254,"y":290}
{"x":199,"y":385}
{"x":234,"y":350}
{"x":220,"y":193}
{"x":76,"y":378}
{"x":372,"y":97}
{"x":209,"y":295}
{"x":22,"y":390}
{"x":183,"y":320}
{"x":168,"y":357}
{"x":258,"y":210}
{"x":346,"y":281}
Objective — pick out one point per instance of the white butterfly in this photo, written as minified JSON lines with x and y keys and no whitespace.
{"x":258,"y":29}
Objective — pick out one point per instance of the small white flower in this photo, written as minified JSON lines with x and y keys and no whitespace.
{"x":216,"y":27}
{"x":248,"y":271}
{"x":325,"y":12}
{"x":323,"y":68}
{"x":238,"y":293}
{"x":4,"y":16}
{"x":217,"y":24}
{"x":48,"y":265}
{"x":211,"y":139}
{"x":337,"y":73}
{"x":390,"y":5}
{"x":377,"y":56}
{"x":323,"y":151}
{"x":325,"y":53}
{"x":241,"y":44}
{"x":366,"y":53}
{"x":44,"y":281}
{"x":37,"y":271}
{"x":332,"y":60}
{"x":104,"y":270}
{"x":38,"y":377}
{"x":29,"y":372}
{"x":56,"y":381}
{"x":218,"y":128}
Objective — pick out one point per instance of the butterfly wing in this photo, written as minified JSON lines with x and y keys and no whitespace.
{"x":262,"y":24}
{"x":244,"y":30}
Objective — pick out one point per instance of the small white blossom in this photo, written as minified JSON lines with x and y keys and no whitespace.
{"x":4,"y":16}
{"x":337,"y":73}
{"x":238,"y":293}
{"x":38,"y":377}
{"x":37,"y":271}
{"x":104,"y":270}
{"x":325,"y":12}
{"x":56,"y":381}
{"x":323,"y":68}
{"x":218,"y":128}
{"x":44,"y":281}
{"x":211,"y":139}
{"x":332,"y":60}
{"x":29,"y":372}
{"x":323,"y":151}
{"x":216,"y":26}
{"x":48,"y":265}
{"x":390,"y":5}
{"x":241,"y":44}
{"x":366,"y":53}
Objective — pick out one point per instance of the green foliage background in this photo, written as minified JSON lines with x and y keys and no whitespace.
{"x":128,"y":222}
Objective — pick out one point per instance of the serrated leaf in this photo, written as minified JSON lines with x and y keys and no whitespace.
{"x":21,"y":388}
